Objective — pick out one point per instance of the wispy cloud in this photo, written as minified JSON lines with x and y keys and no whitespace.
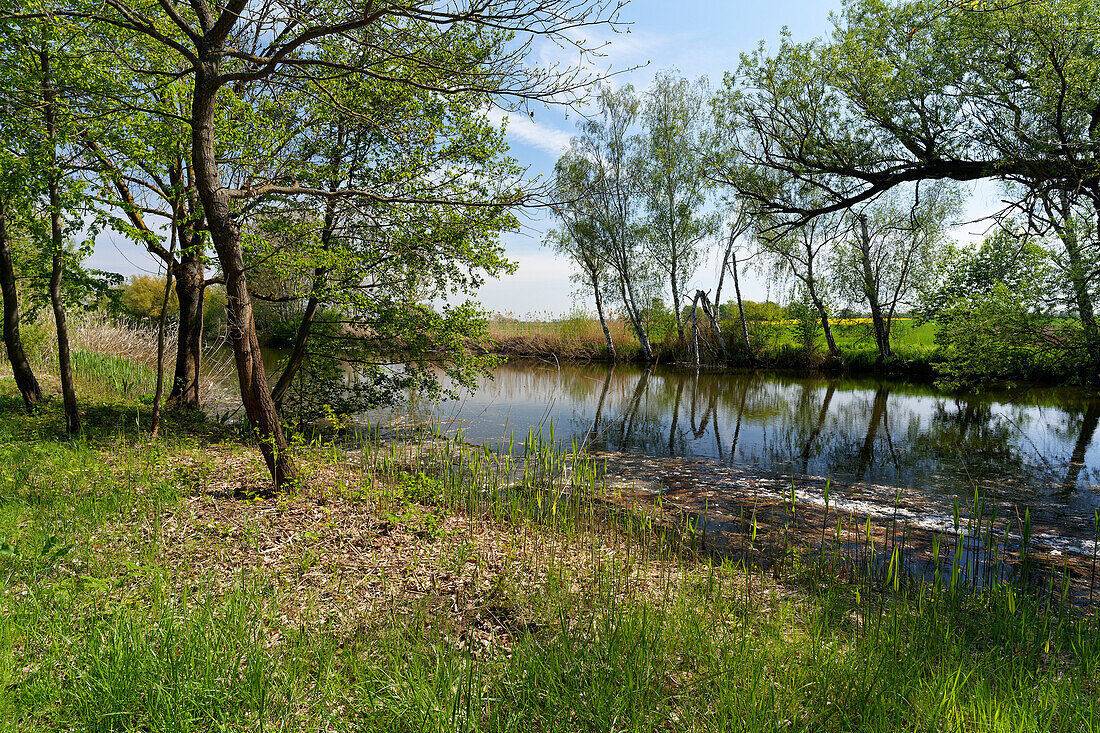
{"x":529,"y":131}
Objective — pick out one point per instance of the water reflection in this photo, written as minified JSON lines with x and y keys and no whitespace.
{"x":1031,"y":448}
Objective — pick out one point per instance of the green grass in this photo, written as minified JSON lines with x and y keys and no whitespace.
{"x":117,"y":612}
{"x":113,"y":374}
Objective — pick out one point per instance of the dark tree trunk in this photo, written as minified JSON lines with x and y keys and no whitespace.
{"x":20,"y":366}
{"x":225,"y":233}
{"x":190,"y":286}
{"x":298,"y":352}
{"x":64,"y":363}
{"x":1080,"y":281}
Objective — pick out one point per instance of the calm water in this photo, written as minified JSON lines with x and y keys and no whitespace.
{"x":740,"y":433}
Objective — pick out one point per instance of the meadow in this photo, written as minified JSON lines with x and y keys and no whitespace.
{"x":413,"y":583}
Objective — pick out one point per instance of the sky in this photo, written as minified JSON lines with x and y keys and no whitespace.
{"x":695,"y":37}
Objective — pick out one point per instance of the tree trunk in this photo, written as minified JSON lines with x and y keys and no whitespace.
{"x":676,"y":304}
{"x":225,"y":233}
{"x":635,"y":317}
{"x":1079,"y":283}
{"x":829,"y":341}
{"x":298,"y":352}
{"x":695,"y":326}
{"x":20,"y":366}
{"x":603,"y":317}
{"x":870,"y":291}
{"x":729,"y":260}
{"x":64,"y":363}
{"x":190,"y":286}
{"x":305,"y":326}
{"x":712,"y":316}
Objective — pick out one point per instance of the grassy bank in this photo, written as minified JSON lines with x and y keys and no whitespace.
{"x":776,"y":345}
{"x":413,"y":584}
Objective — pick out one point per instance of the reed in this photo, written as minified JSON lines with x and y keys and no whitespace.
{"x":119,"y":356}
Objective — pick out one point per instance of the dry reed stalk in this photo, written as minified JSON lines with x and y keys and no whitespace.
{"x":137,"y":342}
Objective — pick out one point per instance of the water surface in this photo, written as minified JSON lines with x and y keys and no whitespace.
{"x":1026,"y":448}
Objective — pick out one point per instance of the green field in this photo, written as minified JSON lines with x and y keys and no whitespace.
{"x":406,"y":585}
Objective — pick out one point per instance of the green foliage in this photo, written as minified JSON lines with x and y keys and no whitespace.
{"x":143,"y":295}
{"x":113,"y":374}
{"x":660,"y":321}
{"x":994,"y":336}
{"x":1004,"y":258}
{"x":214,"y":316}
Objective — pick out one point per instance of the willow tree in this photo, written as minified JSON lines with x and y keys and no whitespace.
{"x":228,"y":51}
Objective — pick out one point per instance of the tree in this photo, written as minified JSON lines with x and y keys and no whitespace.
{"x":613,"y":202}
{"x":673,"y":181}
{"x":17,"y":357}
{"x":45,"y":61}
{"x":579,"y":239}
{"x":13,"y":191}
{"x":226,"y":50}
{"x":1007,"y":257}
{"x":922,"y":91}
{"x":139,"y":145}
{"x":891,"y":251}
{"x":738,"y":223}
{"x":356,"y":276}
{"x":801,"y":254}
{"x":142,"y":296}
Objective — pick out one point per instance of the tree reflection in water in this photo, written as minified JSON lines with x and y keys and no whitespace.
{"x":1033,"y":447}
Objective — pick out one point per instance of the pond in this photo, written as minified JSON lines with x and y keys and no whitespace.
{"x":886,"y":446}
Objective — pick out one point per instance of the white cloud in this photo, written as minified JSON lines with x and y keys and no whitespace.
{"x":524,"y":129}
